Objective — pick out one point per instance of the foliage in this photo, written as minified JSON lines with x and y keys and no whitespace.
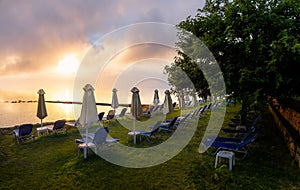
{"x":256,"y":44}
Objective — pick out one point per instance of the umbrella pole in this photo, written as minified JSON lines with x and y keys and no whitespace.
{"x":86,"y":143}
{"x":134,"y":137}
{"x":41,"y":122}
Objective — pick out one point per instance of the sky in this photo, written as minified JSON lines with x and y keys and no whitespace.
{"x":43,"y":43}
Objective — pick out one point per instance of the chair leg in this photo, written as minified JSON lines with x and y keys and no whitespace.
{"x":233,"y":160}
{"x":78,"y":151}
{"x":230,"y":163}
{"x":85,"y":151}
{"x":216,"y":161}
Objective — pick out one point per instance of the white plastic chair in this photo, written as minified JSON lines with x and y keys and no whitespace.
{"x":98,"y":142}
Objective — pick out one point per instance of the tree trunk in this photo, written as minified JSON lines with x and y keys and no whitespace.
{"x":244,"y":111}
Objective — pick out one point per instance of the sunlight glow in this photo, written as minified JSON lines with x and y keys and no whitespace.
{"x":68,"y":65}
{"x":67,"y":109}
{"x":62,"y":96}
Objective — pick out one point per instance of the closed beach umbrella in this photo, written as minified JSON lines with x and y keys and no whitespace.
{"x":168,"y":106}
{"x":136,"y":108}
{"x":114,"y":100}
{"x":156,"y":97}
{"x":41,"y":110}
{"x":194,"y":100}
{"x":89,"y":112}
{"x":181,"y":100}
{"x":187,"y":98}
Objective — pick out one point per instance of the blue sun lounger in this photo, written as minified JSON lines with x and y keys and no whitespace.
{"x":24,"y":132}
{"x":238,"y":148}
{"x":233,"y":140}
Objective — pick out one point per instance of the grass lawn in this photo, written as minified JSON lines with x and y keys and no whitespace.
{"x":51,"y":162}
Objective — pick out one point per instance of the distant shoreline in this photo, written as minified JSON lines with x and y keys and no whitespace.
{"x":98,"y":104}
{"x":68,"y":102}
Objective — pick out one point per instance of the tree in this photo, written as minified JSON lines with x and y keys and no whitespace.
{"x":256,"y":44}
{"x":178,"y":78}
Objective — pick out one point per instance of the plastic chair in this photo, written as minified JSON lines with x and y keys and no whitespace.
{"x":98,"y":141}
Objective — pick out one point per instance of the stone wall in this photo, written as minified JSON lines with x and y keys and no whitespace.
{"x":288,"y":122}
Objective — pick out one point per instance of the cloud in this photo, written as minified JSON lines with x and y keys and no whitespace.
{"x":35,"y":35}
{"x":144,"y":51}
{"x":33,"y":24}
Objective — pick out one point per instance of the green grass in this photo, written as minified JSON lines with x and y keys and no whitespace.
{"x":51,"y":162}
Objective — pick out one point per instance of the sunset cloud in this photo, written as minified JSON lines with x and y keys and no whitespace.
{"x":36,"y":35}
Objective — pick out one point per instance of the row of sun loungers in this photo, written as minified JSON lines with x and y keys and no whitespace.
{"x":170,"y":125}
{"x":25,"y":131}
{"x":242,"y":137}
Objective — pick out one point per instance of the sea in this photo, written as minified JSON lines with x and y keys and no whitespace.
{"x":13,"y":114}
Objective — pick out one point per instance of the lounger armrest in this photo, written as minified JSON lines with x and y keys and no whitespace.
{"x":241,"y":127}
{"x":50,"y":127}
{"x":110,"y":139}
{"x":16,"y":132}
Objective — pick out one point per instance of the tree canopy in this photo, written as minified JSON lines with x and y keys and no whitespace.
{"x":256,"y":44}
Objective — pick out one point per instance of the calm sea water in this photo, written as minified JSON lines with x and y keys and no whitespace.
{"x":12,"y":114}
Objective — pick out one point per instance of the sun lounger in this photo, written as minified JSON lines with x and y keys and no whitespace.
{"x":59,"y":126}
{"x":24,"y":132}
{"x":241,"y":148}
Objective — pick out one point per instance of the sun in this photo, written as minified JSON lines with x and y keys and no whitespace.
{"x":68,"y":65}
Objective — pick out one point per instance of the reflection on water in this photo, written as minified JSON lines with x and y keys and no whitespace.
{"x":19,"y":113}
{"x":68,"y":110}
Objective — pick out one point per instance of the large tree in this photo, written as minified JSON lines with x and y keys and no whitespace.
{"x":256,"y":44}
